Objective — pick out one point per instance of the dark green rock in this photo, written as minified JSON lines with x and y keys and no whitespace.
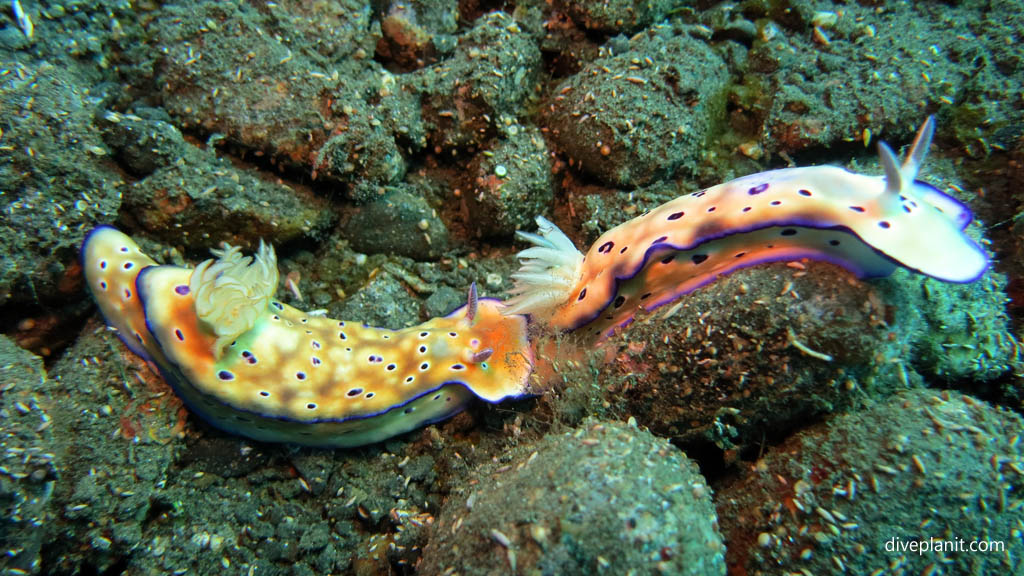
{"x":617,"y":15}
{"x":512,"y":184}
{"x":384,"y":303}
{"x":606,"y":498}
{"x":637,"y":117}
{"x":918,"y":465}
{"x":398,"y":223}
{"x":26,"y":482}
{"x":444,"y":300}
{"x":489,"y":77}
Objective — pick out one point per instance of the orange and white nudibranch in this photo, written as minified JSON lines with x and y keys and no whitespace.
{"x":254,"y":366}
{"x":867,"y":224}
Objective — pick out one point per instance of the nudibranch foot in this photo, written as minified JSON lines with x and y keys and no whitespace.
{"x":287,"y":376}
{"x":867,"y":224}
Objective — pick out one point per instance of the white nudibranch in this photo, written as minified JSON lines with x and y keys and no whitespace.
{"x":867,"y":224}
{"x":232,"y":291}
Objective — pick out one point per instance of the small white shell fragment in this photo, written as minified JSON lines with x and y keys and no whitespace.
{"x":824,"y":19}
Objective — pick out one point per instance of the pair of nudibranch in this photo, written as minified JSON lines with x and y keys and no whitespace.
{"x":257,"y":367}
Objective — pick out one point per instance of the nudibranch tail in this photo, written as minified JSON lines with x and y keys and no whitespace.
{"x":111,"y":262}
{"x":867,"y":224}
{"x":548,"y":273}
{"x":287,"y":376}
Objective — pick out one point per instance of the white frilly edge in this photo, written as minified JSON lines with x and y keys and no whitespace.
{"x":547,"y":274}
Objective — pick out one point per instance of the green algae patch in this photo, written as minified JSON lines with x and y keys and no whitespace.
{"x":605,"y":498}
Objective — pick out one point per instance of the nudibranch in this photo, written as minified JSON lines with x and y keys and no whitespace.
{"x":867,"y":224}
{"x":254,"y":366}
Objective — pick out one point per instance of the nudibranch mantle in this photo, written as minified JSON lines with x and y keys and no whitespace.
{"x":287,"y":376}
{"x":867,"y":224}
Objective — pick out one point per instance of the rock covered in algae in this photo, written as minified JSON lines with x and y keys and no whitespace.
{"x":614,"y":16}
{"x":274,"y":93}
{"x":29,"y":471}
{"x":417,"y":32}
{"x":490,"y":76}
{"x":56,"y":183}
{"x":635,"y":118}
{"x":846,"y":494}
{"x":757,"y":352}
{"x":959,"y":331}
{"x":511,"y":185}
{"x":116,"y":429}
{"x":606,"y":497}
{"x":187,"y":195}
{"x":400,"y":222}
